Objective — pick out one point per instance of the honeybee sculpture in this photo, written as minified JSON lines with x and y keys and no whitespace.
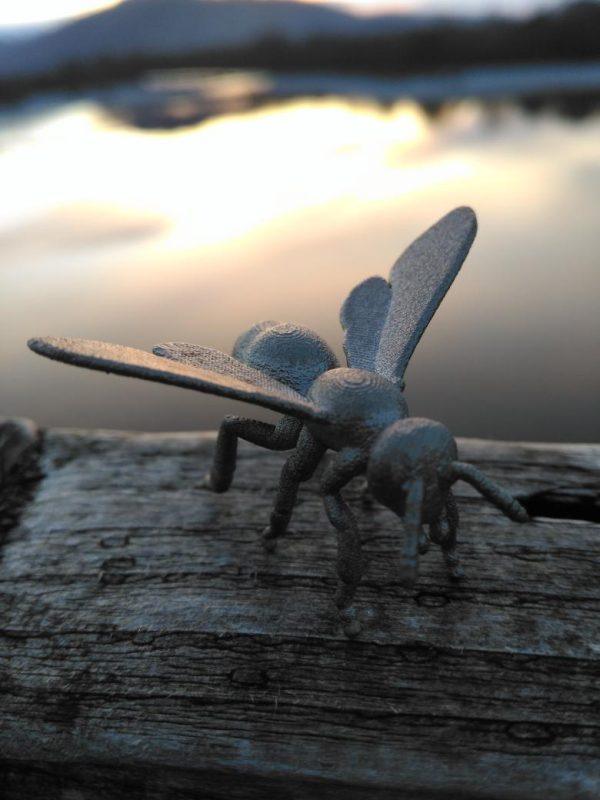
{"x":358,"y":411}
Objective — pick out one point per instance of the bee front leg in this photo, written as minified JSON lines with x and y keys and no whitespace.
{"x":282,"y":436}
{"x":349,"y":557}
{"x":350,"y":562}
{"x":299,"y":467}
{"x":445,"y":532}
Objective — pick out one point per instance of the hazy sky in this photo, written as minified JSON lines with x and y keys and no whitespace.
{"x":27,"y":12}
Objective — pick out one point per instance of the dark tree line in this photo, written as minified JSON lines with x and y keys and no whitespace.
{"x":573,"y":34}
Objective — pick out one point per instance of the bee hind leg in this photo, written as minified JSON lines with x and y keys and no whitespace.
{"x":282,"y":436}
{"x":299,"y":467}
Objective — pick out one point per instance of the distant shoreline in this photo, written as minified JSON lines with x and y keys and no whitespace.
{"x":486,"y":83}
{"x":534,"y":82}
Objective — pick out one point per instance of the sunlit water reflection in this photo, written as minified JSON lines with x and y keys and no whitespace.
{"x":110,"y":232}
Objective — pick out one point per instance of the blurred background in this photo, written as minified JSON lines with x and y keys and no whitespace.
{"x":180,"y":169}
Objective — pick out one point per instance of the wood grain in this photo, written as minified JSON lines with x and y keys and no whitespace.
{"x":150,"y":649}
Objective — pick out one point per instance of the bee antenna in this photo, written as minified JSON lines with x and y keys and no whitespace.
{"x":492,"y":491}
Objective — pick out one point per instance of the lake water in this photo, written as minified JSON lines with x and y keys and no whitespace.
{"x":115,"y":226}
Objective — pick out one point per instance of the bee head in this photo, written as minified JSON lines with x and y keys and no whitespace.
{"x":407,"y":472}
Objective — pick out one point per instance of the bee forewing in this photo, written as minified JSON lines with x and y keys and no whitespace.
{"x":420,"y":279}
{"x":140,"y":364}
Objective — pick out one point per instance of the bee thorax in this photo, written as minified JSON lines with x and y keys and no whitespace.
{"x":359,"y":405}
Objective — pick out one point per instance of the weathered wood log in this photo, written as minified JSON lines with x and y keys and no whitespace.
{"x":149,"y":648}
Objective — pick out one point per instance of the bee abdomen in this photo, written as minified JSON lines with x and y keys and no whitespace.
{"x":288,"y":352}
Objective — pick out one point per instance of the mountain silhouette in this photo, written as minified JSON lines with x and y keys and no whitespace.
{"x":168,"y":27}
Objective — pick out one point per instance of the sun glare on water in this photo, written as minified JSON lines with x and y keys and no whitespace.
{"x":232,"y":176}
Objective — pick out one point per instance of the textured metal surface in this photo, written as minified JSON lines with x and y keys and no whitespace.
{"x":383,"y":327}
{"x":139,"y":364}
{"x":245,"y":340}
{"x":358,"y":412}
{"x":363,"y":316}
{"x":357,"y":404}
{"x":213,"y":360}
{"x":409,"y":472}
{"x":420,"y":279}
{"x":283,"y":436}
{"x":288,"y":352}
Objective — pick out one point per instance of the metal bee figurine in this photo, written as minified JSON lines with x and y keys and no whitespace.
{"x":358,"y":411}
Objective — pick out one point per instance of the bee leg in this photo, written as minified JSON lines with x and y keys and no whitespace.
{"x":350,"y":562}
{"x":424,"y":542}
{"x":444,"y":532}
{"x":366,"y":496}
{"x":299,"y":467}
{"x":349,"y":558}
{"x":282,"y":436}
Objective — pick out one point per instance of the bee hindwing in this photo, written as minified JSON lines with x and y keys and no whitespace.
{"x":363,"y":316}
